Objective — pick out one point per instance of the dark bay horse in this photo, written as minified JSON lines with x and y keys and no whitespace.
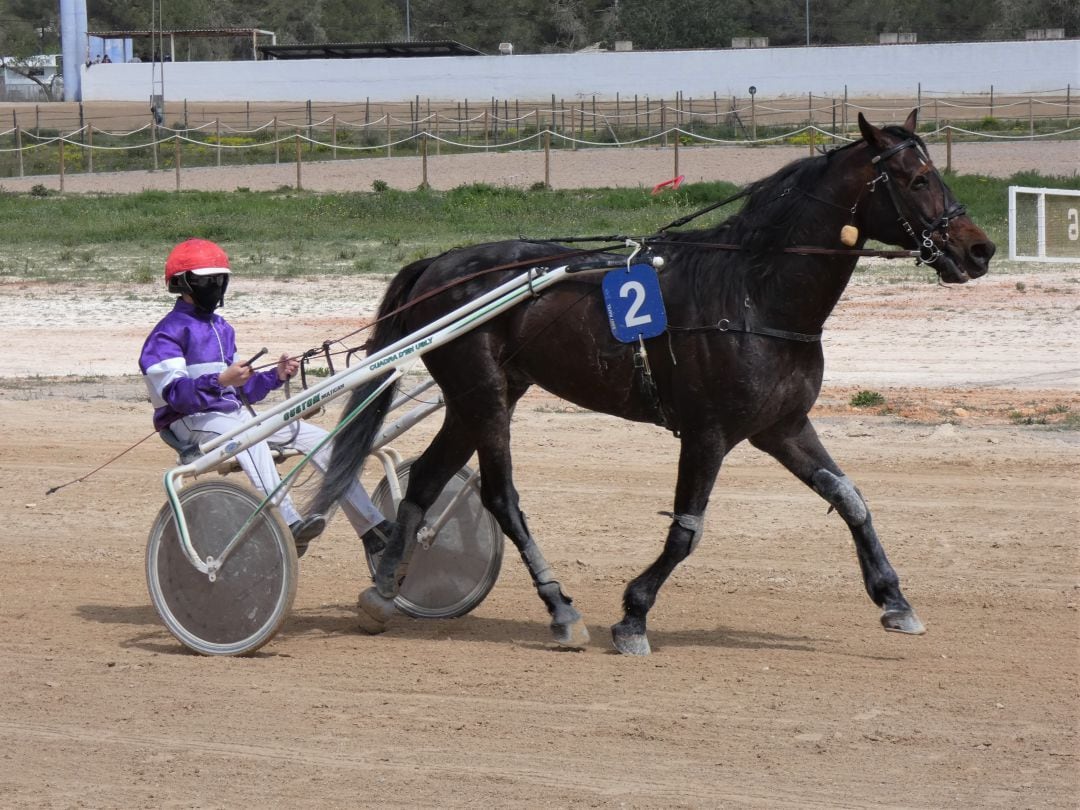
{"x":741,"y":359}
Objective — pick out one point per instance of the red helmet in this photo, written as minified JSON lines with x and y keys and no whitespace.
{"x":200,"y":257}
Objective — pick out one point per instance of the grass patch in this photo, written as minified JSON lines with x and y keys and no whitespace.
{"x":866,"y":399}
{"x":55,"y":237}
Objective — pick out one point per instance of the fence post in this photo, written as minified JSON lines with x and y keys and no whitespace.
{"x":247,"y":115}
{"x":61,"y":142}
{"x":18,"y":146}
{"x":386,"y":112}
{"x":277,"y":143}
{"x":176,"y":159}
{"x":309,"y":123}
{"x":299,"y":182}
{"x":844,"y":112}
{"x":217,"y":139}
{"x":547,"y":159}
{"x":154,"y":142}
{"x":676,"y":155}
{"x":663,"y":123}
{"x":89,"y":148}
{"x":948,"y":149}
{"x":333,"y":136}
{"x":423,"y":160}
{"x":812,"y":133}
{"x":1031,"y":119}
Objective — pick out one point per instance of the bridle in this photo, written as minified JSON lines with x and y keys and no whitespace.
{"x":929,"y":252}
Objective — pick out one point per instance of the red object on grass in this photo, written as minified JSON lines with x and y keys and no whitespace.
{"x":673,"y":184}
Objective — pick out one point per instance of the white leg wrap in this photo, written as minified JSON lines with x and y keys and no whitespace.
{"x":692,"y":523}
{"x":842,"y":495}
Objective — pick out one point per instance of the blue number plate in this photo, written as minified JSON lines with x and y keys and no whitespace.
{"x":635,"y":305}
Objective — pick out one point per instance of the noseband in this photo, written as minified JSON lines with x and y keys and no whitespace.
{"x":928,"y":250}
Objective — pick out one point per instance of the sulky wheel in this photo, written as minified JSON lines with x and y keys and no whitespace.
{"x":451,"y":573}
{"x":252,"y":593}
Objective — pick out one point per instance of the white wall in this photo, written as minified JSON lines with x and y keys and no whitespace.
{"x":1009,"y":67}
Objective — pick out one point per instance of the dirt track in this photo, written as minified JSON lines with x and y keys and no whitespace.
{"x":585,"y":168}
{"x":771,"y":683}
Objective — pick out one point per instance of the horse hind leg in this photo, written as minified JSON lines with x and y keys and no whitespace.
{"x":448,"y":451}
{"x":567,"y":626}
{"x":500,"y":498}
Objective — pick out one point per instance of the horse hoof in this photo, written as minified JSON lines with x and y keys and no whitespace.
{"x":574,"y":634}
{"x":369,"y":625}
{"x":376,"y":607}
{"x":630,"y":643}
{"x":902,"y":621}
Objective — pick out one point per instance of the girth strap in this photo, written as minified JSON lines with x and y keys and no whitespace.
{"x":726,"y":325}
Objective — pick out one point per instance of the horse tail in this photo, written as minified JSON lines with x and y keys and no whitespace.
{"x":354,"y":441}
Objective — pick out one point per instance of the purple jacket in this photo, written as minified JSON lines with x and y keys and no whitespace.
{"x":181,"y":360}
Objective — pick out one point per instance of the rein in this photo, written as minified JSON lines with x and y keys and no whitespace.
{"x":802,"y":250}
{"x":327,"y":354}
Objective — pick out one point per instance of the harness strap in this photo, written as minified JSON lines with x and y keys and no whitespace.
{"x":646,"y":385}
{"x":726,"y":325}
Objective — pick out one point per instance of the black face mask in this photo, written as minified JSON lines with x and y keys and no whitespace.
{"x":208,"y":292}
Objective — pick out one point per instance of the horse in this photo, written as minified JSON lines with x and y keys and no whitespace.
{"x":741,"y":359}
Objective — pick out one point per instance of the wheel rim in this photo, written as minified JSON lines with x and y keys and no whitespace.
{"x":251,"y":596}
{"x":460,"y":567}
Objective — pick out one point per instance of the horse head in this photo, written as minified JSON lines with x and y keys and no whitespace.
{"x":913,"y":207}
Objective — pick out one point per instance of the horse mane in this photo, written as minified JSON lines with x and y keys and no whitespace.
{"x":780,"y":210}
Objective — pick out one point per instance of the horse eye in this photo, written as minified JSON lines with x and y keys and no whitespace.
{"x":919,"y":183}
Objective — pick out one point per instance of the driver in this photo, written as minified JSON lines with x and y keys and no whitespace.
{"x":197,"y":388}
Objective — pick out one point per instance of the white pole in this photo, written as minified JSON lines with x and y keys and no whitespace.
{"x":1012,"y":222}
{"x":73,"y":46}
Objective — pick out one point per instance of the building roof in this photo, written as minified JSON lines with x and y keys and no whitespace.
{"x":182,"y":32}
{"x":367,"y":50}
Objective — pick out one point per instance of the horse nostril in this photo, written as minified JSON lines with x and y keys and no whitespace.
{"x":982,"y":251}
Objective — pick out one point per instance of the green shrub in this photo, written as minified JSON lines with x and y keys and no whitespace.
{"x":867,"y":399}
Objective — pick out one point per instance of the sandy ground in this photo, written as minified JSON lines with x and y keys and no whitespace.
{"x":771,"y":683}
{"x":586,"y":168}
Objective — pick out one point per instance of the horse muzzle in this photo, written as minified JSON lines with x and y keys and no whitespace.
{"x":963,"y":257}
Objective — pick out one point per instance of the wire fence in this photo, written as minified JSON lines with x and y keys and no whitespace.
{"x":96,"y":137}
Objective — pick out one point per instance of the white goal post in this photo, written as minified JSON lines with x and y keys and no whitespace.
{"x":1044,"y":224}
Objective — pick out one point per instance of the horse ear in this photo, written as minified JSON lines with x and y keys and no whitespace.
{"x":912,"y":121}
{"x":870,"y":133}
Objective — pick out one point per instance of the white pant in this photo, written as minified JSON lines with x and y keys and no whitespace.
{"x":258,"y":462}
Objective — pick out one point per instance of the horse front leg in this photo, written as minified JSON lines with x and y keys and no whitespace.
{"x":700,"y":456}
{"x":796,"y":445}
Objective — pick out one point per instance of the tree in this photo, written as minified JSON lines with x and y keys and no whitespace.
{"x":21,"y":53}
